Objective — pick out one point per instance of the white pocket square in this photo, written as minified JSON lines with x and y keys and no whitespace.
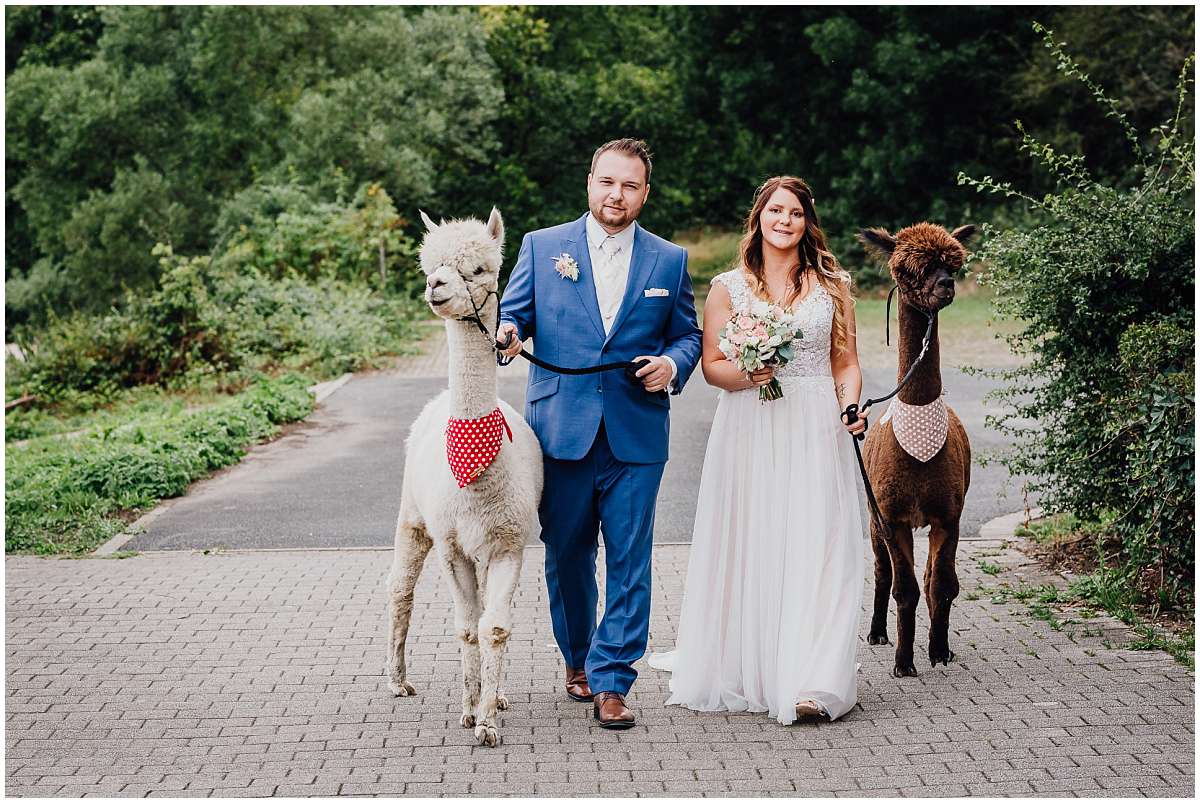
{"x":655,"y":292}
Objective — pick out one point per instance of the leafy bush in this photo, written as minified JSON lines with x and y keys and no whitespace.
{"x":1103,"y":412}
{"x":210,"y":319}
{"x":68,"y":494}
{"x":282,"y":230}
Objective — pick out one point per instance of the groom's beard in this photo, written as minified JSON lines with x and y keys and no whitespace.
{"x":615,"y":218}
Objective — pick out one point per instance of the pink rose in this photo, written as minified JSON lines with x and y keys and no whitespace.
{"x":738,"y":339}
{"x":746,"y":323}
{"x":760,"y":332}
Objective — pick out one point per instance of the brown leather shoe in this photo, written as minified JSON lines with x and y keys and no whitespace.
{"x":577,"y":686}
{"x":609,"y":707}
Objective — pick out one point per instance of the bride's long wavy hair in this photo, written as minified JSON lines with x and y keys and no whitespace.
{"x":811,"y":253}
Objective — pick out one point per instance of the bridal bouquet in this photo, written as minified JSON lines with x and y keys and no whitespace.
{"x":759,"y":339}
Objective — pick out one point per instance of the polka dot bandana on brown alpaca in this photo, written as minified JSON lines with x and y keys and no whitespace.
{"x":473,"y":443}
{"x":920,"y":429}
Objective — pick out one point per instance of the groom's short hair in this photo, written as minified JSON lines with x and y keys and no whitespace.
{"x":629,"y":147}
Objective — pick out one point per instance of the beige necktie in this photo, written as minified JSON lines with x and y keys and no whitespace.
{"x":610,"y":248}
{"x":607,"y":293}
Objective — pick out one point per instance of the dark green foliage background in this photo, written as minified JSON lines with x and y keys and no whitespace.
{"x":130,"y":126}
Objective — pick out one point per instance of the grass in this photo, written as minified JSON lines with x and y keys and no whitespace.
{"x":1049,"y":604}
{"x":1181,"y":648}
{"x":69,"y":495}
{"x":125,"y":409}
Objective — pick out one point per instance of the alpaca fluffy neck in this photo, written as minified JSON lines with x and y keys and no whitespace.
{"x":925,"y":385}
{"x":472,"y":365}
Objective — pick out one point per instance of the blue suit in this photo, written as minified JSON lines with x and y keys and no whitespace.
{"x":604,"y":438}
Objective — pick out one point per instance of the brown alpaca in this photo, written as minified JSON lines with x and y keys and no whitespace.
{"x":913,"y":492}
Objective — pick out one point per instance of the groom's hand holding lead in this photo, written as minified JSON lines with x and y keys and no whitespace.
{"x":507,"y":332}
{"x":656,"y":375}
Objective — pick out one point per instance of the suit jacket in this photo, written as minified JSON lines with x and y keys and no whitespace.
{"x":563,"y":319}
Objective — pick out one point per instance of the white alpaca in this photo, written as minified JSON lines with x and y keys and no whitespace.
{"x":479,"y":530}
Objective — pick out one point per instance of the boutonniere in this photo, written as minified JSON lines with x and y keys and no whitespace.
{"x":567,"y":267}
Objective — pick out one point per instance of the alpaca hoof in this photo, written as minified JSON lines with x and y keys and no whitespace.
{"x":908,"y":671}
{"x":941,"y":655}
{"x":467,"y":720}
{"x":487,"y":735}
{"x":878,"y":638}
{"x":401,"y":688}
{"x":501,"y":702}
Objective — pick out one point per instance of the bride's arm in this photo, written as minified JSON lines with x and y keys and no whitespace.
{"x":718,"y":371}
{"x":847,"y":376}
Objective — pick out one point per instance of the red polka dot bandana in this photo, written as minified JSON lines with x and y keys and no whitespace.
{"x":473,"y":443}
{"x":920,"y":428}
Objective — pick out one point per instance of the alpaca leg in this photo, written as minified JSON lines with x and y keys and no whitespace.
{"x":941,"y":588}
{"x":883,"y":586}
{"x":412,"y":545}
{"x":494,"y":629}
{"x":906,"y":593}
{"x":464,"y":589}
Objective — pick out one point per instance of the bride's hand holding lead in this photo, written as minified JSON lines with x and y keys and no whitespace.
{"x":847,"y":375}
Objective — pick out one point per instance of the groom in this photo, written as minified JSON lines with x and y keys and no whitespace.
{"x":602,"y":289}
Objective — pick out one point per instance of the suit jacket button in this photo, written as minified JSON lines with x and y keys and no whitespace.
{"x":599,"y":390}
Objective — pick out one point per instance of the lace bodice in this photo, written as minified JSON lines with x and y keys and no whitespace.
{"x":815,"y":313}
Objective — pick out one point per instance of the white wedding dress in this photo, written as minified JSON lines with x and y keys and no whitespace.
{"x":775,"y":577}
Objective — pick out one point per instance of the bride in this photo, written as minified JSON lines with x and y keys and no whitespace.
{"x":775,"y":579}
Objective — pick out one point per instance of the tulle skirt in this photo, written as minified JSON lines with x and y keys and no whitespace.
{"x":774,"y":586}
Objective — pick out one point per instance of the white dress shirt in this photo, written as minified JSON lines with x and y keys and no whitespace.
{"x":611,"y":255}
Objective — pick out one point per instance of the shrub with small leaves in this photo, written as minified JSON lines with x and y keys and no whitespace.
{"x":211,"y":318}
{"x":1102,"y":413}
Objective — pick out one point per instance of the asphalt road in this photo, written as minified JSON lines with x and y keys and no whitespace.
{"x":334,"y":481}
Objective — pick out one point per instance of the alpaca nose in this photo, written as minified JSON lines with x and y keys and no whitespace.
{"x":946,"y":283}
{"x":434,"y":282}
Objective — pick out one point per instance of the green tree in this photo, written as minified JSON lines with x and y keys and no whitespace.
{"x":403,"y":119}
{"x":1136,"y":52}
{"x":573,"y":79}
{"x":179,"y":109}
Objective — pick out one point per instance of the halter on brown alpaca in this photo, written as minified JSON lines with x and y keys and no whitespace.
{"x":912,"y":491}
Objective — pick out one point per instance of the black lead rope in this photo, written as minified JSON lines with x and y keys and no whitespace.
{"x":851,"y":411}
{"x":630,"y":368}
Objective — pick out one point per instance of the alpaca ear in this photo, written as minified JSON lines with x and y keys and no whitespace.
{"x":963,"y":233}
{"x":877,"y":241}
{"x":495,"y":226}
{"x":429,"y":224}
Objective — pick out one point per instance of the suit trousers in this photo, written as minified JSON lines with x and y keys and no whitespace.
{"x":580,"y":499}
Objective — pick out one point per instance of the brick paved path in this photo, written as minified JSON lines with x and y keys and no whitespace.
{"x":259,"y":673}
